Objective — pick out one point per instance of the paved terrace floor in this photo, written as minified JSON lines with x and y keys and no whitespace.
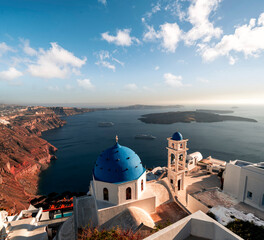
{"x":197,"y":181}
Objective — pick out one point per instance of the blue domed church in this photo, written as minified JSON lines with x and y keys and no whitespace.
{"x":118,"y":175}
{"x":120,"y":195}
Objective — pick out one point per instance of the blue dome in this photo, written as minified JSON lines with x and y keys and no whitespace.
{"x":118,"y":164}
{"x":177,"y":136}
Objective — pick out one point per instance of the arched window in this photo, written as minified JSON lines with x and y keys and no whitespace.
{"x":128,"y":193}
{"x":181,"y":157}
{"x":172,"y":158}
{"x":142,"y":185}
{"x":106,"y":196}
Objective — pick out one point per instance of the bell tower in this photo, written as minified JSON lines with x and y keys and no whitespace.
{"x":177,"y":151}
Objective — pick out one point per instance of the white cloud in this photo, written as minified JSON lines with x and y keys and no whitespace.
{"x":122,"y":38}
{"x":27,"y":49}
{"x":157,"y":68}
{"x":56,"y":62}
{"x":116,"y":60}
{"x":174,"y":7}
{"x":85,"y":83}
{"x":10,"y":74}
{"x":169,"y":33}
{"x":103,"y":2}
{"x":4,"y":48}
{"x":232,"y":60}
{"x":151,"y":34}
{"x":156,"y":8}
{"x":247,"y":39}
{"x":103,"y":55}
{"x":181,"y":14}
{"x":131,"y":86}
{"x":104,"y":58}
{"x":107,"y":65}
{"x":198,"y":15}
{"x":202,"y":80}
{"x":172,"y":80}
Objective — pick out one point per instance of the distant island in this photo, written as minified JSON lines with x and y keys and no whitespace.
{"x":190,"y":116}
{"x":215,"y":111}
{"x":138,"y":107}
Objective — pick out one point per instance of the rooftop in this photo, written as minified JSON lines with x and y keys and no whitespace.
{"x":196,"y":226}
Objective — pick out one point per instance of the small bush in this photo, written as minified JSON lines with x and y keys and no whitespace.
{"x":113,"y":234}
{"x":162,"y":225}
{"x":247,"y":230}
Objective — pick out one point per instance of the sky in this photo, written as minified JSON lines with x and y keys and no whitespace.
{"x":122,"y":52}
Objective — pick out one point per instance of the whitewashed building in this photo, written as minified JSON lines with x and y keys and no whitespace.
{"x":245,"y":181}
{"x":192,"y":160}
{"x":118,"y":176}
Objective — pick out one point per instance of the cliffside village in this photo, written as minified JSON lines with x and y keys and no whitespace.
{"x":123,"y":193}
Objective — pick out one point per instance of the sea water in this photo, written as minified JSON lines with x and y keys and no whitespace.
{"x":81,"y":141}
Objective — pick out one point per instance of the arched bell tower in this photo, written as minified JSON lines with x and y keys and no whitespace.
{"x":177,"y":152}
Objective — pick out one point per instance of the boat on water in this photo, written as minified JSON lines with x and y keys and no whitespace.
{"x":145,"y":136}
{"x":105,"y":124}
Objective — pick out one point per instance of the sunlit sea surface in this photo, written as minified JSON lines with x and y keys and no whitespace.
{"x":80,"y":141}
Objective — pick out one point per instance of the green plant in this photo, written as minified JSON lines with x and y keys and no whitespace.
{"x":162,"y":225}
{"x":247,"y":230}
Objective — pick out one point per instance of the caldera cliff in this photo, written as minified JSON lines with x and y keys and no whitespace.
{"x":24,"y":154}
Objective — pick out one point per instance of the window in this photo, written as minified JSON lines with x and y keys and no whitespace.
{"x":171,"y":181}
{"x":263,"y":200}
{"x":181,"y":157}
{"x":106,"y":197}
{"x":142,"y":185}
{"x":249,"y":195}
{"x":172,"y":158}
{"x":128,"y":193}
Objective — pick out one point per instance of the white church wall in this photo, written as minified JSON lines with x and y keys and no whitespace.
{"x":112,"y":191}
{"x":139,"y":192}
{"x":147,"y":204}
{"x":122,"y":191}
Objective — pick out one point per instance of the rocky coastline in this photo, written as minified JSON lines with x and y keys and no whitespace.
{"x":24,"y":154}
